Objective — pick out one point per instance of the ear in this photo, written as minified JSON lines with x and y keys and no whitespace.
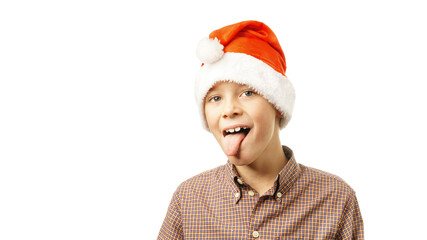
{"x":279,"y":118}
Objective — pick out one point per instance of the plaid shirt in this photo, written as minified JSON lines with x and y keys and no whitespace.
{"x":304,"y":203}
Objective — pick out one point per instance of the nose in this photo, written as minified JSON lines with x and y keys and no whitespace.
{"x":231,"y":109}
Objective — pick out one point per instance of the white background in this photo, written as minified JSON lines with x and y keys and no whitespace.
{"x":98,"y":123}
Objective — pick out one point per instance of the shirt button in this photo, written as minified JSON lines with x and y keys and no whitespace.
{"x":279,"y":195}
{"x":240,"y":181}
{"x":237,"y":195}
{"x":251,"y":193}
{"x":255,"y":234}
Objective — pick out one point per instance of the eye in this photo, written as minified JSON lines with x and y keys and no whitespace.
{"x":247,"y":93}
{"x":214,"y":99}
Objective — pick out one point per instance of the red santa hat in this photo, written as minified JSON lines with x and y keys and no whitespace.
{"x":246,"y":53}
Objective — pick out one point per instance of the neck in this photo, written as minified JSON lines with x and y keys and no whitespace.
{"x":262,"y":173}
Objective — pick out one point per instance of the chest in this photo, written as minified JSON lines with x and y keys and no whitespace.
{"x":290,"y":216}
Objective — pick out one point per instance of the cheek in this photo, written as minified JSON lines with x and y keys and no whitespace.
{"x":266,"y":111}
{"x":213,"y":126}
{"x":211,"y":117}
{"x":268,"y":126}
{"x":266,"y":120}
{"x":208,"y":116}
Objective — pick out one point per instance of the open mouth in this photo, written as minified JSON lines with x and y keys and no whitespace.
{"x":233,"y":138}
{"x":244,"y":130}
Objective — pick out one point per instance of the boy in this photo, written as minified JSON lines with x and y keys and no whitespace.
{"x":244,"y":100}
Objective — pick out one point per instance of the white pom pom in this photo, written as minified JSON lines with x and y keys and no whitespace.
{"x":209,"y":50}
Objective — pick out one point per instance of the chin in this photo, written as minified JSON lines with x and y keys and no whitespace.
{"x":240,"y":160}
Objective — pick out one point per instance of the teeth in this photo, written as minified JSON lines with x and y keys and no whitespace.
{"x":237,"y":129}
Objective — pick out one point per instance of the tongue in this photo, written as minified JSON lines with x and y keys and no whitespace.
{"x":232,"y":143}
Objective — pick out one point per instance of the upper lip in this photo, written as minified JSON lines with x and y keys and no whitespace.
{"x":233,"y":127}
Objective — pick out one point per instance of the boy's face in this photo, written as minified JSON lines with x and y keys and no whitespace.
{"x":253,"y":120}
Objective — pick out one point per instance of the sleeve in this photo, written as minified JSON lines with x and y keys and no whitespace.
{"x":351,"y":223}
{"x":172,"y":224}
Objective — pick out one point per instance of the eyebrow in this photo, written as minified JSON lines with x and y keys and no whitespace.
{"x":211,"y":89}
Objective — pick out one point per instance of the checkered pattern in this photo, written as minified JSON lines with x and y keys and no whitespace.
{"x":304,"y":203}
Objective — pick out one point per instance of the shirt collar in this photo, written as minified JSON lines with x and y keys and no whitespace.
{"x":286,"y":178}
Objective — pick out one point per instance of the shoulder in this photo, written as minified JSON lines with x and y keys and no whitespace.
{"x":202,"y":182}
{"x":325,"y":181}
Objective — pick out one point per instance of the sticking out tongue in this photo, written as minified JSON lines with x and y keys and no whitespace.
{"x":232,"y":143}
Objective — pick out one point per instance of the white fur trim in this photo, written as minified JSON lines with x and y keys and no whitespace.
{"x":245,"y":69}
{"x":209,"y":50}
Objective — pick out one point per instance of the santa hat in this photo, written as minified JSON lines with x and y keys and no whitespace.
{"x":246,"y":53}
